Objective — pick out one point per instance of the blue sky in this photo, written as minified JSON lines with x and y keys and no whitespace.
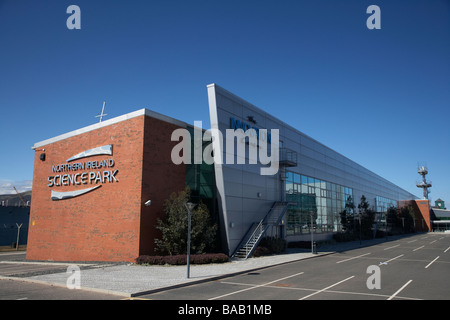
{"x":379,"y":97}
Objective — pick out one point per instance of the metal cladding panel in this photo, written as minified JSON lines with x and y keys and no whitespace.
{"x":246,"y":194}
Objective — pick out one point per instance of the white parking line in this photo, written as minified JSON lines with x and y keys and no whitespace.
{"x":391,"y":247}
{"x":254,"y":287}
{"x":418,"y":248}
{"x":353,"y":258}
{"x":328,"y":291}
{"x":324,"y":289}
{"x":431,"y":262}
{"x":385,"y":262}
{"x":446,"y":249}
{"x":399,"y":290}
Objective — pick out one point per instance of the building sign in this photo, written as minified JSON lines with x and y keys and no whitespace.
{"x":238,"y":124}
{"x":83,"y":173}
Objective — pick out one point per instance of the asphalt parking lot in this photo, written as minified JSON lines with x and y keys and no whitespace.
{"x":14,"y":266}
{"x":410,"y":268}
{"x":404,"y":268}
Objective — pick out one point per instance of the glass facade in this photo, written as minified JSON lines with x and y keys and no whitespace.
{"x":314,"y":202}
{"x":201,"y":180}
{"x":382,"y":204}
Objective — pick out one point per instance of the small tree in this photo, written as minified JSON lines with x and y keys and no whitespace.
{"x":407,"y":216}
{"x":392,"y":221}
{"x":347,"y":215}
{"x":174,"y":227}
{"x":367,"y":217}
{"x":347,"y":222}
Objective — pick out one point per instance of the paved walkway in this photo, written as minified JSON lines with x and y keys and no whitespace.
{"x":132,"y":280}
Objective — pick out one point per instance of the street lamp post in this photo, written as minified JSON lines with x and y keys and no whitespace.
{"x":313,"y":249}
{"x":189,"y":206}
{"x":359,"y":216}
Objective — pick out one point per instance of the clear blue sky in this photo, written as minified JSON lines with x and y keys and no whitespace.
{"x":379,"y":97}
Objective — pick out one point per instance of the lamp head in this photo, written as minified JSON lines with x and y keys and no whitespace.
{"x":190,"y":205}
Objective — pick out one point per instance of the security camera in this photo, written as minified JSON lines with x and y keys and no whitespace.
{"x":148,"y":203}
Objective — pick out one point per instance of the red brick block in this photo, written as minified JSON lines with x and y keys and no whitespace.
{"x":110,"y":223}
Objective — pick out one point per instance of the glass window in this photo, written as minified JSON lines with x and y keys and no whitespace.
{"x":289,"y":187}
{"x":304,"y":179}
{"x":304,"y":188}
{"x":317,"y":192}
{"x":324,"y":199}
{"x":289,"y":176}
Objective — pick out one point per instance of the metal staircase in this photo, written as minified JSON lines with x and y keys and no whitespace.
{"x":256,"y":231}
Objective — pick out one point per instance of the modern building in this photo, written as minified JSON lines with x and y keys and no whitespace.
{"x":440,"y":216}
{"x":313,"y":181}
{"x":90,"y":186}
{"x":13,"y":224}
{"x":440,"y":204}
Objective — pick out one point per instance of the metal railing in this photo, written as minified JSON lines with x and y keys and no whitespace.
{"x":257,"y":230}
{"x":288,"y":157}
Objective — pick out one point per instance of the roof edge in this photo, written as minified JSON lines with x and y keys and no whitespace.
{"x":109,"y":122}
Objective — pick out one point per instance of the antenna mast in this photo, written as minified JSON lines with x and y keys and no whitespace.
{"x":102,"y":114}
{"x":424,"y":184}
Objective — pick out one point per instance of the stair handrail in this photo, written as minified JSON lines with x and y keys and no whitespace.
{"x":259,"y":226}
{"x":280,"y":216}
{"x":255,"y":234}
{"x":245,"y":238}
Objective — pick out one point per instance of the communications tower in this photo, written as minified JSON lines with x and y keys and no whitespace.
{"x":424,"y":184}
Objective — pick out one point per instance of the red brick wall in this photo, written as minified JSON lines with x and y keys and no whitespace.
{"x":422,"y":208}
{"x":421,"y":211}
{"x":110,"y":223}
{"x":160,"y":178}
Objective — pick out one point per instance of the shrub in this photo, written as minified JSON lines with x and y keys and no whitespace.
{"x":270,"y":245}
{"x":261,"y":251}
{"x":275,"y":245}
{"x":300,"y":244}
{"x":344,"y":236}
{"x":174,"y":227}
{"x":181,"y":259}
